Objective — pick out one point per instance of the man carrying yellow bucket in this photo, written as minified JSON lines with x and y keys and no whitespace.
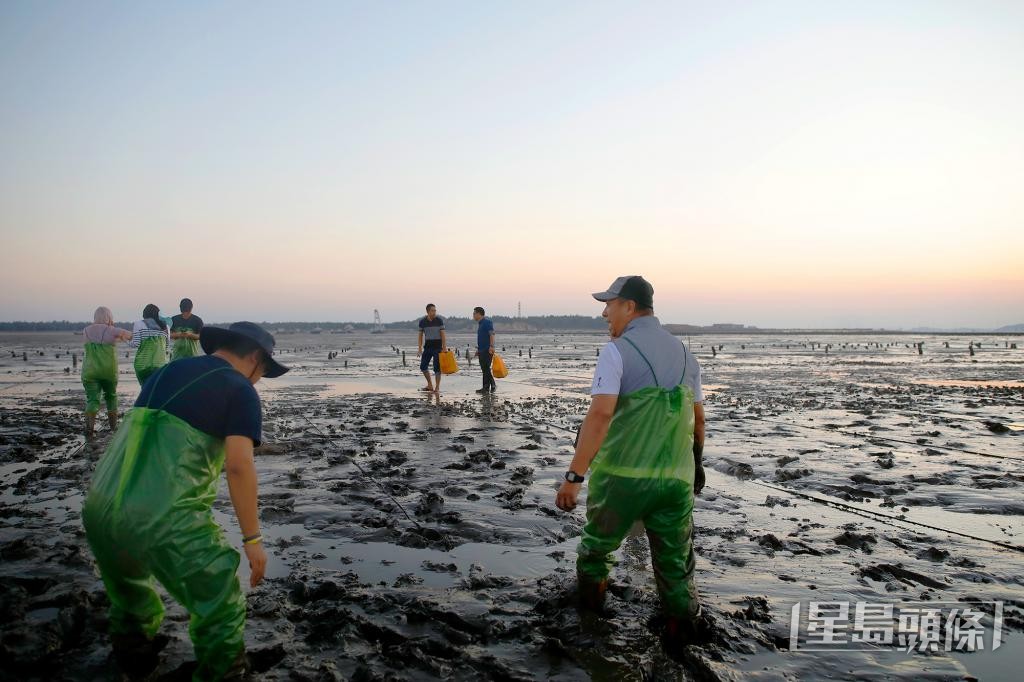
{"x":148,"y":511}
{"x":642,"y":440}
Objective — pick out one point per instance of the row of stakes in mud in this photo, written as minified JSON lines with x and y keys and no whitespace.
{"x":333,"y":355}
{"x":458,"y":353}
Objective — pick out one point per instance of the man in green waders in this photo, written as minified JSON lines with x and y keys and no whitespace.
{"x":185,"y":329}
{"x":147,"y":514}
{"x":642,"y":440}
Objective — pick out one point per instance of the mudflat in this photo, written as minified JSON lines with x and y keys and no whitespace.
{"x":414,"y":536}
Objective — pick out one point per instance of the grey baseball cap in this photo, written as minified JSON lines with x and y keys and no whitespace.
{"x":629,"y":287}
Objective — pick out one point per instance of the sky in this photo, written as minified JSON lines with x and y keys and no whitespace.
{"x":779,"y":164}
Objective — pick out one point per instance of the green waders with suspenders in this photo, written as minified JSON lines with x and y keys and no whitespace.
{"x":644,"y":471}
{"x":148,"y":515}
{"x":150,"y":356}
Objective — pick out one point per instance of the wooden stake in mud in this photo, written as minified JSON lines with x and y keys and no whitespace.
{"x":74,"y":360}
{"x":404,"y":363}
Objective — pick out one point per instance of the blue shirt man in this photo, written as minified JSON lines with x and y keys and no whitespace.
{"x":485,"y":348}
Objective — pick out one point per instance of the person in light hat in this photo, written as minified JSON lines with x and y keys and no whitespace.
{"x":148,"y":510}
{"x":642,"y":441}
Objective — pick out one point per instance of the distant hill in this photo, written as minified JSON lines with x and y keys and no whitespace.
{"x":1012,"y":329}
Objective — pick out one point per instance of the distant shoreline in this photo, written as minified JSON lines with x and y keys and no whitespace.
{"x":676,"y":330}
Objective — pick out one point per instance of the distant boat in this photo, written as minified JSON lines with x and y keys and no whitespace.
{"x":316,"y":330}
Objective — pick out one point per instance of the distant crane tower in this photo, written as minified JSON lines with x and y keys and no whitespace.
{"x":378,"y":326}
{"x":519,"y":312}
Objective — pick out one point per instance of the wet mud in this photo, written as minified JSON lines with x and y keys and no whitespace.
{"x":414,"y":536}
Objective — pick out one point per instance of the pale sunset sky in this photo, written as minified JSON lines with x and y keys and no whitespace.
{"x":776,"y":163}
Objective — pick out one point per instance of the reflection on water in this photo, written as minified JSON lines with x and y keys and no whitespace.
{"x":970,"y":383}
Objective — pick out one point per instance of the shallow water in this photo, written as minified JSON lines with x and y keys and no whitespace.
{"x":867,"y":473}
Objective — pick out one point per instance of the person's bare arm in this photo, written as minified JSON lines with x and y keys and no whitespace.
{"x":698,"y":448}
{"x":243,"y":485}
{"x":419,"y":344}
{"x":592,"y":435}
{"x":444,"y":340}
{"x":698,"y":424}
{"x":492,"y":342}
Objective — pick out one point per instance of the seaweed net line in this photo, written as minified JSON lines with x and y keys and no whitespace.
{"x":449,"y":543}
{"x":887,"y":519}
{"x":857,"y":434}
{"x":937,"y":414}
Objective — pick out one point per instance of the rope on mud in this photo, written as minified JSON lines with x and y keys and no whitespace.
{"x":30,"y":380}
{"x":868,"y":513}
{"x":887,"y":439}
{"x":364,"y":472}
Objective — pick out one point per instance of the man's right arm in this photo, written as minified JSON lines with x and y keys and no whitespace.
{"x":698,"y":447}
{"x":242,"y":485}
{"x":419,"y":344}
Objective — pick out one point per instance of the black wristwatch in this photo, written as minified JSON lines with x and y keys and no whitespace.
{"x":573,"y":477}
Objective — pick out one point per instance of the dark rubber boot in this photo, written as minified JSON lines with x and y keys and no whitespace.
{"x":136,"y":655}
{"x":592,"y":594}
{"x":680,"y":632}
{"x":112,"y":420}
{"x":90,"y":425}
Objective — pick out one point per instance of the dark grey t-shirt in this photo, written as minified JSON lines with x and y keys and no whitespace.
{"x":431,"y":331}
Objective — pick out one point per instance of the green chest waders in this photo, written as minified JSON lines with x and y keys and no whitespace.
{"x":644,"y":471}
{"x":99,"y":376}
{"x":184,"y":348}
{"x":150,"y":356}
{"x":148,"y":515}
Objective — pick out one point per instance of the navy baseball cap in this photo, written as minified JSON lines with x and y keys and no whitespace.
{"x":630,"y":287}
{"x":212,"y":338}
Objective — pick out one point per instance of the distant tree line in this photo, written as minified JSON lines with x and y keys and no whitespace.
{"x":533,"y":323}
{"x":53,"y":326}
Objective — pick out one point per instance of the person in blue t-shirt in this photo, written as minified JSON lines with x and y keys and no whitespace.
{"x":148,"y":513}
{"x":485,"y":348}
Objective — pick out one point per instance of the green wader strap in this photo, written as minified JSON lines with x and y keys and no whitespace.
{"x":627,"y":339}
{"x":132,"y":451}
{"x":648,"y":362}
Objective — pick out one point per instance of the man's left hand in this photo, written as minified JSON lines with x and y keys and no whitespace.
{"x":567,"y":494}
{"x":491,"y":351}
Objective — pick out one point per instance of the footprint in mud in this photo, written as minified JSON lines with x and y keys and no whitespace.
{"x":740,"y":470}
{"x":783,"y":475}
{"x":754,"y":608}
{"x":430,"y":505}
{"x":897,"y":577}
{"x":277,"y":508}
{"x":933,"y":554}
{"x":522,"y":475}
{"x":864,"y":542}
